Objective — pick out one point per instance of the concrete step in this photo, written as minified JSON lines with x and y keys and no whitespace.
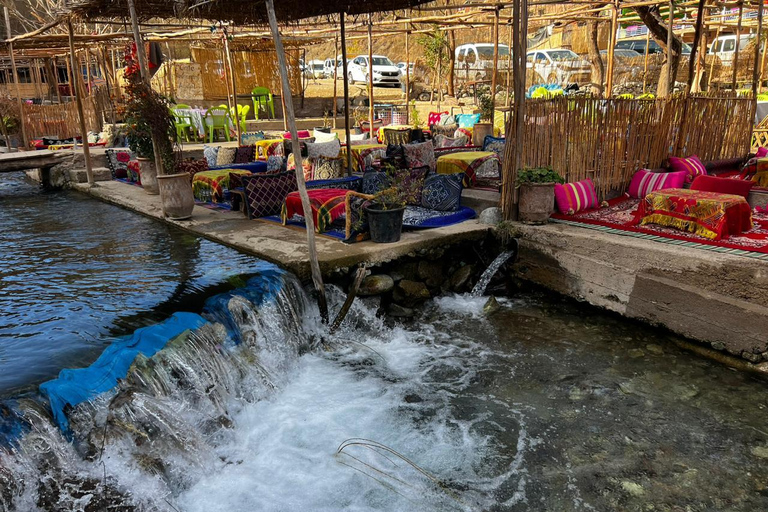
{"x":99,"y":174}
{"x":480,"y":200}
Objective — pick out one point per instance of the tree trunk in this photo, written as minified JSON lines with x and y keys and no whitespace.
{"x":452,"y":68}
{"x":651,"y":18}
{"x":598,"y":67}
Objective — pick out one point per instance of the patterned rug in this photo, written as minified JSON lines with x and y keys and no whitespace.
{"x":619,"y":218}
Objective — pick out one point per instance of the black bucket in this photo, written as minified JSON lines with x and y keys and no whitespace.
{"x":385,"y":225}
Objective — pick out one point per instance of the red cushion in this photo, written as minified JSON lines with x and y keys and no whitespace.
{"x":761,"y":152}
{"x":723,"y":185}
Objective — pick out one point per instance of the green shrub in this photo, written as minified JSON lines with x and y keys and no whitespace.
{"x":537,"y":175}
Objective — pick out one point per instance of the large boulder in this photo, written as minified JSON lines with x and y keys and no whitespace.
{"x":376,"y":285}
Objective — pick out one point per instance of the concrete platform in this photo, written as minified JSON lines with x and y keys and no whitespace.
{"x":719,"y":299}
{"x":284,"y":246}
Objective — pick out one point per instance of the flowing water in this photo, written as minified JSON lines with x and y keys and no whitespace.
{"x":538,"y":405}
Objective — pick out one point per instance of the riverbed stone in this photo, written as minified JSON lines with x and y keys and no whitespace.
{"x":491,"y":216}
{"x":431,"y":273}
{"x":633,"y":488}
{"x":654,"y":349}
{"x":409,"y":270}
{"x":398,"y":311}
{"x":751,"y":356}
{"x":376,"y":285}
{"x":459,"y":280}
{"x":414,"y":289}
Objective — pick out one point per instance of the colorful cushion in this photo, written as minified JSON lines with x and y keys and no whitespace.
{"x":225,"y":156}
{"x":443,"y":141}
{"x":495,"y":144}
{"x":722,"y":185}
{"x":251,"y":138}
{"x":192,"y":167}
{"x":447,"y":120}
{"x":330,"y":149}
{"x":326,"y":169}
{"x":288,"y":146}
{"x":276,"y":163}
{"x":244,"y":154}
{"x":574,"y":197}
{"x":761,"y":153}
{"x":467,"y":120}
{"x":356,"y":228}
{"x":211,"y":154}
{"x":442,"y":192}
{"x":303,"y":134}
{"x":644,"y":182}
{"x":434,"y":117}
{"x":359,"y":137}
{"x":375,"y":181}
{"x":324,"y":137}
{"x":415,"y":183}
{"x":265,"y":193}
{"x":420,"y":155}
{"x":117,"y":161}
{"x":691,"y":165}
{"x":395,"y":155}
{"x":463,"y":132}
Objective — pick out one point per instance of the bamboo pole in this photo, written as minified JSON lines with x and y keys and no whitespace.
{"x":762,"y":67}
{"x":343,"y":41}
{"x":645,"y":67}
{"x":712,"y":63}
{"x":370,"y":74}
{"x":495,"y":64}
{"x":611,"y":50}
{"x":738,"y":47}
{"x":56,"y":78}
{"x":335,"y":77}
{"x":407,"y":75}
{"x":757,"y":48}
{"x":87,"y":58}
{"x":227,"y":78}
{"x":69,"y":77}
{"x":509,"y":67}
{"x":80,"y":114}
{"x":693,"y":61}
{"x":317,"y":276}
{"x":234,"y":86}
{"x":670,"y":75}
{"x":23,"y":143}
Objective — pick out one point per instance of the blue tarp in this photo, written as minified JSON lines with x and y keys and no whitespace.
{"x":73,"y":387}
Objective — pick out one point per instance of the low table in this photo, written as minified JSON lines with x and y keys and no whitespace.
{"x":473,"y":164}
{"x":209,"y":186}
{"x":364,"y":154}
{"x":707,"y":214}
{"x":327,"y":204}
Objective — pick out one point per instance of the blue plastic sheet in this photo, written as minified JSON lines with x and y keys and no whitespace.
{"x":73,"y":387}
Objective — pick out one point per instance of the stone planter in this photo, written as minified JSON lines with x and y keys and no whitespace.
{"x":176,"y":195}
{"x":480,"y":131}
{"x":148,"y":175}
{"x":536,"y":202}
{"x":386,"y":225}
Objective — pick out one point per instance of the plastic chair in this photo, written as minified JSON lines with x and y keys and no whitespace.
{"x":183,"y":125}
{"x":181,"y":105}
{"x":240,"y":114}
{"x":262,"y":96}
{"x":218,"y":119}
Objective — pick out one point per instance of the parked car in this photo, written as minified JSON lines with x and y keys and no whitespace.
{"x":639,"y":45}
{"x":330,"y":65}
{"x":384,"y":71}
{"x":725,"y":47}
{"x":558,"y":66}
{"x":401,"y":67}
{"x":474,"y":61}
{"x":314,"y":69}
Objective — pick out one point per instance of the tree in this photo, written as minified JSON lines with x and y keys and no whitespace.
{"x":436,"y":50}
{"x":659,"y":32}
{"x":598,"y":67}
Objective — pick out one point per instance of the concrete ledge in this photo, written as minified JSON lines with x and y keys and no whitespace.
{"x":716,"y":298}
{"x":99,"y":174}
{"x":480,"y":200}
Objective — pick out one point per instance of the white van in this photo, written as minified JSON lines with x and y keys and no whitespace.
{"x":330,"y":65}
{"x":474,"y":61}
{"x":558,"y":66}
{"x":725,"y":47}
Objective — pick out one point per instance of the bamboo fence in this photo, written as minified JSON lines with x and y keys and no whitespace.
{"x":61,"y":120}
{"x":607,"y":140}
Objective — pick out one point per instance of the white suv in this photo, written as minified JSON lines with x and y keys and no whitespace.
{"x":384,"y":71}
{"x":558,"y":66}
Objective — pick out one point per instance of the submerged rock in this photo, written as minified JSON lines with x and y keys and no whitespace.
{"x":397,"y":311}
{"x":632,"y":488}
{"x":459,"y":280}
{"x":376,"y":285}
{"x":760,"y":451}
{"x":414,"y":289}
{"x":431,"y":273}
{"x":491,"y":306}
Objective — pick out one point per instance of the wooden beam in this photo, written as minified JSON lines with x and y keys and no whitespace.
{"x":370,"y":74}
{"x":335,"y":76}
{"x":343,"y":42}
{"x":692,"y":61}
{"x":80,"y":114}
{"x":611,"y":50}
{"x":735,"y":65}
{"x":495,"y":64}
{"x":755,"y":87}
{"x":317,"y":276}
{"x":233,"y":78}
{"x":16,"y":82}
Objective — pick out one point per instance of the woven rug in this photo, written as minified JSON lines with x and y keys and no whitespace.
{"x":619,"y":218}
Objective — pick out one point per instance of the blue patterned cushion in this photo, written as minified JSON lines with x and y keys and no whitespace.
{"x":495,"y":144}
{"x":375,"y":181}
{"x":275,"y":163}
{"x":211,"y":153}
{"x":251,"y":138}
{"x":442,"y":192}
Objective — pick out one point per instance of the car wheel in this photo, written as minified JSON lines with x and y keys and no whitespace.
{"x":351,"y":79}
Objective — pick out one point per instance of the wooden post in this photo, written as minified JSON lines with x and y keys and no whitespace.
{"x":611,"y":48}
{"x":738,"y":46}
{"x":335,"y":76}
{"x":692,"y":63}
{"x":88,"y":71}
{"x":370,"y":73}
{"x":407,"y":75}
{"x":69,"y":77}
{"x":227,"y":79}
{"x":80,"y":114}
{"x":232,"y":73}
{"x":343,"y":41}
{"x":317,"y":276}
{"x":762,"y":68}
{"x":645,"y":68}
{"x":712,"y":63}
{"x":56,"y":78}
{"x":757,"y":48}
{"x":8,"y":34}
{"x":509,"y":68}
{"x":670,"y":76}
{"x":495,"y":64}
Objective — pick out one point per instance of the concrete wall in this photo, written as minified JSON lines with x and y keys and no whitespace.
{"x":718,"y":299}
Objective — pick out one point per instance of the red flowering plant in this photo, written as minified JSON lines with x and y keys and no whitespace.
{"x":147,"y":113}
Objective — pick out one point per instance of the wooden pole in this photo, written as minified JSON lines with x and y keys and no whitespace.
{"x":317,"y":276}
{"x":738,"y":47}
{"x":80,"y":114}
{"x":611,"y":48}
{"x":87,"y":56}
{"x":495,"y":64}
{"x":335,"y":77}
{"x":692,"y":63}
{"x":343,"y":41}
{"x":370,"y":73}
{"x":69,"y":77}
{"x":762,"y":67}
{"x":234,"y":86}
{"x":509,"y":68}
{"x":56,"y":78}
{"x":227,"y":77}
{"x":645,"y":68}
{"x":755,"y":86}
{"x":670,"y":76}
{"x":8,"y":35}
{"x":407,"y":75}
{"x":712,"y":63}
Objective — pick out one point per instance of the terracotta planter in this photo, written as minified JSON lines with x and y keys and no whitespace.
{"x":148,"y":175}
{"x":537,"y":202}
{"x":479,"y":132}
{"x":176,"y":196}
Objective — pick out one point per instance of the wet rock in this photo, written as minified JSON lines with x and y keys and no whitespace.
{"x":431,"y":273}
{"x":760,"y":451}
{"x":632,"y":488}
{"x":491,"y":216}
{"x":376,"y":285}
{"x":491,"y":306}
{"x":414,"y":289}
{"x":459,"y":280}
{"x":413,"y":399}
{"x":398,"y":311}
{"x":654,"y":349}
{"x":408,"y":271}
{"x":718,"y":345}
{"x":635,"y":353}
{"x":751,"y":357}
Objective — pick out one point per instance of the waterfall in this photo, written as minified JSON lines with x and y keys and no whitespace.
{"x":482,"y":284}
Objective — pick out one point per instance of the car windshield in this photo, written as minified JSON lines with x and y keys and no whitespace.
{"x":561,"y":55}
{"x":382,"y":61}
{"x":486,"y":52}
{"x":318,"y":65}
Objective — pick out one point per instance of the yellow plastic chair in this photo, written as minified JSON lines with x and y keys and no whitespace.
{"x":218,"y":118}
{"x":240,"y":115}
{"x":262,"y":96}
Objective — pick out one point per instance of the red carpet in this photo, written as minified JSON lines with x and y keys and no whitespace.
{"x":619,"y":215}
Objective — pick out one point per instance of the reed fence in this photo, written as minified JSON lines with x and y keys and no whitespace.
{"x":607,"y":140}
{"x":61,"y":120}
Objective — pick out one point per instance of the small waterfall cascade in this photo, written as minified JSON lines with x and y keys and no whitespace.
{"x":485,"y":279}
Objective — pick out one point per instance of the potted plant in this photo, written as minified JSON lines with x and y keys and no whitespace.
{"x":485,"y":126}
{"x":176,"y":191}
{"x":385,"y":213}
{"x":537,"y":194}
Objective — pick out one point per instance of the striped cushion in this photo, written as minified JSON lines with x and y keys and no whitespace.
{"x":692,"y":165}
{"x":574,"y":197}
{"x":644,"y":182}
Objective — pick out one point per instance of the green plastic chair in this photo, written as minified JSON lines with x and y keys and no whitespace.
{"x":183,"y":124}
{"x":218,"y":118}
{"x":240,"y":115}
{"x":262,"y":96}
{"x":182,"y":105}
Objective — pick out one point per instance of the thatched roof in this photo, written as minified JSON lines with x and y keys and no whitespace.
{"x":239,"y":12}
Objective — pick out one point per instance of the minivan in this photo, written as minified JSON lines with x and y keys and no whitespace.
{"x":474,"y":61}
{"x":725,"y":47}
